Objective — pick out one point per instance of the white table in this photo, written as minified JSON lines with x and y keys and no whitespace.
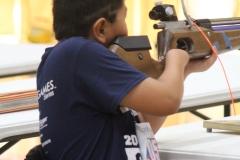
{"x":20,"y":58}
{"x":210,"y":87}
{"x":192,"y":142}
{"x":18,"y":125}
{"x":201,"y":90}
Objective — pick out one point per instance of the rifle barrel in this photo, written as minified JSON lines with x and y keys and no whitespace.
{"x":226,"y":27}
{"x":225,"y":21}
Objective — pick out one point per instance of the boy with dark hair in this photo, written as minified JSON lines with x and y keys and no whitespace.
{"x":83,"y":86}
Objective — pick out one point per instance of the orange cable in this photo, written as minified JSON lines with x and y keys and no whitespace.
{"x":215,"y":52}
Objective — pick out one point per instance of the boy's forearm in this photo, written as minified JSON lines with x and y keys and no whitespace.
{"x":173,"y":75}
{"x":155,"y":121}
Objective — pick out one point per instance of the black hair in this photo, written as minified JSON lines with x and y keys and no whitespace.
{"x":72,"y":18}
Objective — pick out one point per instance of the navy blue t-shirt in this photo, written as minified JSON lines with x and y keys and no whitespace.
{"x":80,"y":84}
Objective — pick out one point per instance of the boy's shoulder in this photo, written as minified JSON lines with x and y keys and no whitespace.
{"x":75,"y":41}
{"x":78,"y":42}
{"x":79,"y":45}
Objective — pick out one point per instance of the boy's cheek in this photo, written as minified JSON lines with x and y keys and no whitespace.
{"x":124,"y":30}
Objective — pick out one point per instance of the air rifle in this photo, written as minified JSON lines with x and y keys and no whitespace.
{"x":223,"y":33}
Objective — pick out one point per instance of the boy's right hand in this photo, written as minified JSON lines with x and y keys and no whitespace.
{"x":177,"y":56}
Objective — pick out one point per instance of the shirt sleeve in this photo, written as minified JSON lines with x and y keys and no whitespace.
{"x":104,"y":78}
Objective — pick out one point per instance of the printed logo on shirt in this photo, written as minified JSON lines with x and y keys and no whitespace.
{"x":132,"y":147}
{"x":131,"y":140}
{"x":46,"y":142}
{"x":43,"y":123}
{"x":47,"y":91}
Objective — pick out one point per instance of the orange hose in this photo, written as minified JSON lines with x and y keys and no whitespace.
{"x":215,"y":52}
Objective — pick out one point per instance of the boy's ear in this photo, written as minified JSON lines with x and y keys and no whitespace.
{"x":99,"y":30}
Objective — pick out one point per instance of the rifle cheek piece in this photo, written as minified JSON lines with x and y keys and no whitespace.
{"x":133,"y":43}
{"x":135,"y":51}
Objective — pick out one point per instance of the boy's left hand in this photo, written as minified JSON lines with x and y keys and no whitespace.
{"x":200,"y":65}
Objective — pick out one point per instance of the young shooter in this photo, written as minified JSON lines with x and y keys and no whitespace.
{"x":88,"y":95}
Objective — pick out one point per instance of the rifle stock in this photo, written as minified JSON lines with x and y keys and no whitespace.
{"x":135,"y":51}
{"x":223,"y":33}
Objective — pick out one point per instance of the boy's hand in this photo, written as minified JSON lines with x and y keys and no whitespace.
{"x":200,"y":65}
